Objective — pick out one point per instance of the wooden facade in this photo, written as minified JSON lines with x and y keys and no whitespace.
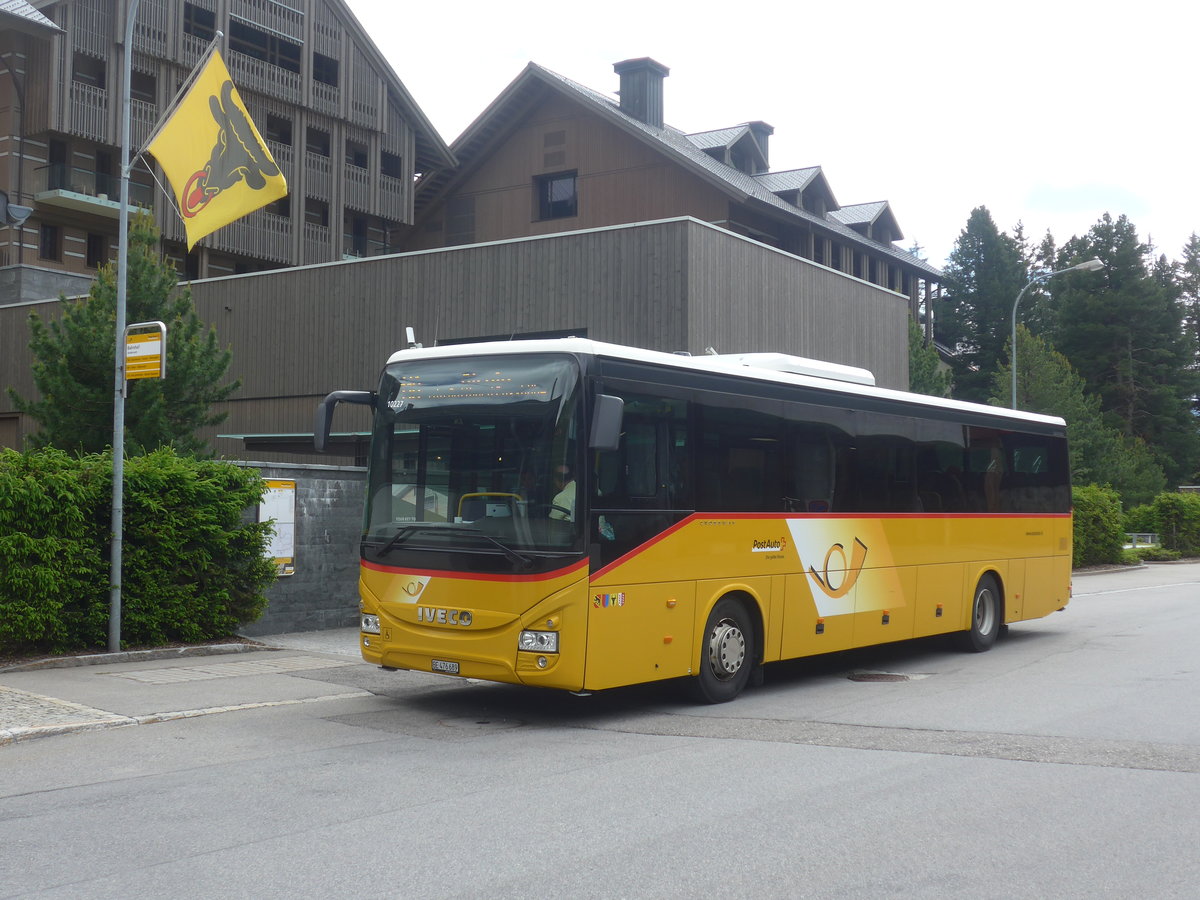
{"x":344,"y":130}
{"x":677,"y":284}
{"x":625,"y":165}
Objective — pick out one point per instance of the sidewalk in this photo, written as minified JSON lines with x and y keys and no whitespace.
{"x":82,"y":693}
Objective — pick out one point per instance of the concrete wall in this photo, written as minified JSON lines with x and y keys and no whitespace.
{"x":20,"y":282}
{"x":323,"y":592}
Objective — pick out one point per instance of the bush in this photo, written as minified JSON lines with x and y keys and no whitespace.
{"x":1155,"y":554}
{"x":193,"y":568}
{"x":1099,"y":534}
{"x":1177,"y":521}
{"x":1140,"y":520}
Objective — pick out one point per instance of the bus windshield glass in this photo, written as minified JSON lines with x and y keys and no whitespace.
{"x":475,"y":455}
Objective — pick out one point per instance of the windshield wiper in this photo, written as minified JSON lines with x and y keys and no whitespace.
{"x":520,"y":559}
{"x":404,"y":532}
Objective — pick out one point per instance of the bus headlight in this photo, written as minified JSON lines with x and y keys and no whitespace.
{"x":370,"y":624}
{"x":538,"y":641}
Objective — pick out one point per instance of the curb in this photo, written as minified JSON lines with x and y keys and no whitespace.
{"x":26,"y":733}
{"x":104,"y":659}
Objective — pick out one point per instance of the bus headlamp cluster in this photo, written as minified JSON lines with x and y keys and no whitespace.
{"x":538,"y":641}
{"x":370,"y":624}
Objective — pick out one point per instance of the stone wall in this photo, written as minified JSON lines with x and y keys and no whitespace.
{"x":323,"y":591}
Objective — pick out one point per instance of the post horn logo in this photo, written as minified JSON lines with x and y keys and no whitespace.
{"x":858,"y":556}
{"x":237,"y":156}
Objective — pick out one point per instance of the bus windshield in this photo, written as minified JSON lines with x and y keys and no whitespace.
{"x":475,"y":456}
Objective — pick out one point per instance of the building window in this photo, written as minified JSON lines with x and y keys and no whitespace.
{"x":281,"y":207}
{"x":89,"y":70}
{"x":278,"y":129}
{"x":556,"y":195}
{"x":270,"y":48}
{"x":143,"y":87}
{"x":199,"y":22}
{"x":317,"y":141}
{"x":50,"y":242}
{"x":316,"y":212}
{"x":391,"y":165}
{"x":460,"y":221}
{"x":97,"y":250}
{"x":356,"y":154}
{"x":325,"y":69}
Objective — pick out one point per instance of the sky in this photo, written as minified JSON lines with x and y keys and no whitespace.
{"x":1048,"y":113}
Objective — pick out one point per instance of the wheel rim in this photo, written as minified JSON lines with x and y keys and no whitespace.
{"x":985,"y":611}
{"x":726,"y":649}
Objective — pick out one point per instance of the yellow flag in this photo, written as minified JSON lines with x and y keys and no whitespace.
{"x":214,"y":157}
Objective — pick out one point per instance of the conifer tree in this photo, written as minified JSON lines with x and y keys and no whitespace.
{"x":1122,"y":331}
{"x":74,"y":358}
{"x":1189,"y":294}
{"x":982,"y":277}
{"x":925,"y":373}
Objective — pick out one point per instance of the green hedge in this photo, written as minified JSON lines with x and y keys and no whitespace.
{"x":193,"y":567}
{"x":1099,"y":534}
{"x":1176,"y":519}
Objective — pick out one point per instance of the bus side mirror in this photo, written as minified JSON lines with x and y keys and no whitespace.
{"x":606,"y":422}
{"x":325,"y":413}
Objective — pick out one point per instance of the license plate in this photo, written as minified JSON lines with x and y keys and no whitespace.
{"x":441,"y":665}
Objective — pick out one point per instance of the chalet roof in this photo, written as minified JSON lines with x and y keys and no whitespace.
{"x":536,"y":82}
{"x":721,"y":137}
{"x":796,"y":180}
{"x":22,"y":16}
{"x":868,"y":214}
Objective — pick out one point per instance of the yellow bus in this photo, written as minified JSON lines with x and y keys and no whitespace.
{"x":579,"y":515}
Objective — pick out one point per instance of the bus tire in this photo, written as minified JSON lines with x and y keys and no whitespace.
{"x":987,"y":617}
{"x":727,"y":653}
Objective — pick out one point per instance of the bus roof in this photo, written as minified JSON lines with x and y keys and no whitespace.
{"x":772,"y":367}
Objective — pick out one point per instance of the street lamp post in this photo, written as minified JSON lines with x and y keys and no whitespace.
{"x":1090,"y":266}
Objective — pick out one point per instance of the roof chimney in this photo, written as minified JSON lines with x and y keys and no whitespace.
{"x":642,"y":89}
{"x":762,"y":132}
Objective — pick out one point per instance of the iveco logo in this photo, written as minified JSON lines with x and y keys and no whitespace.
{"x":444,"y":616}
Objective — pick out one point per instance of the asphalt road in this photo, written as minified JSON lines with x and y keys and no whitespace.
{"x":1063,"y":763}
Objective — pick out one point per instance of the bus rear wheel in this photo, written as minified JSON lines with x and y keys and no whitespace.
{"x":727,"y":653}
{"x":987,"y":617}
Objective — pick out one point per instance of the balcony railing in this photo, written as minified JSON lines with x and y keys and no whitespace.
{"x":357,"y":185}
{"x":319,"y":178}
{"x":358,"y":246}
{"x":393,"y":199}
{"x":89,"y":111}
{"x":316,"y":243}
{"x":142,"y":118}
{"x":87,"y":190}
{"x":272,"y":80}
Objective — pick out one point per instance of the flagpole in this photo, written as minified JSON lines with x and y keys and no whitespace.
{"x":118,"y":487}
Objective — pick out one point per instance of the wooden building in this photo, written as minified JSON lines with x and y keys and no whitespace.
{"x":551,"y":155}
{"x":346,"y":133}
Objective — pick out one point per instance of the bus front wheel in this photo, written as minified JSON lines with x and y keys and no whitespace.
{"x":987,"y":617}
{"x":727,"y":653}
